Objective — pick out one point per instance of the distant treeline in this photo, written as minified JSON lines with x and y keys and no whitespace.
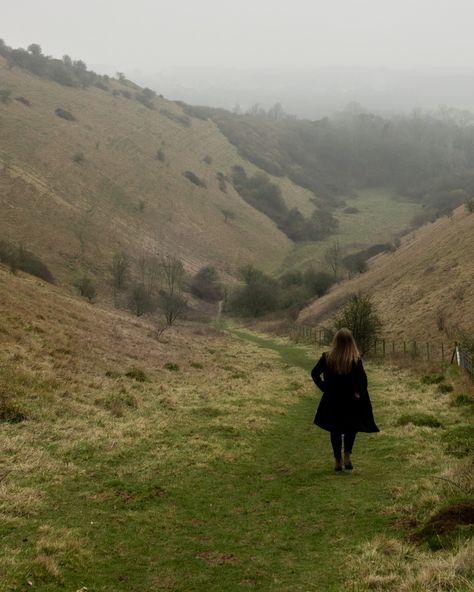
{"x":428,"y":157}
{"x":67,"y":72}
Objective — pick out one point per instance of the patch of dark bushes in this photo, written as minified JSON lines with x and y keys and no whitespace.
{"x":19,"y":258}
{"x":66,"y":72}
{"x":67,"y":115}
{"x":265,"y":196}
{"x":136,"y":374}
{"x":207,"y":285}
{"x":194,"y":179}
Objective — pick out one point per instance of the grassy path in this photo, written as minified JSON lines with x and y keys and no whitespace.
{"x":277,"y":518}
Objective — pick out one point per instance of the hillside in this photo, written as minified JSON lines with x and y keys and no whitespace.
{"x":423,"y":290}
{"x":74,"y":192}
{"x":124,"y":467}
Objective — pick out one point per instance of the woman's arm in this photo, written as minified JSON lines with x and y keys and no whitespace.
{"x":317,"y":371}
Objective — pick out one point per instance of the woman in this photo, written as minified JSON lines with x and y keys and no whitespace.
{"x":345,"y":406}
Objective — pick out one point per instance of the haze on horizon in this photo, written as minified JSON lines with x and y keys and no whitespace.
{"x":222,"y":53}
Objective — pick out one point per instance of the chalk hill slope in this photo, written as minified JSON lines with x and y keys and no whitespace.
{"x":74,"y":192}
{"x":425,"y":289}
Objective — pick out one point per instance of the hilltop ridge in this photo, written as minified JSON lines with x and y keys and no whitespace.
{"x":123,"y":176}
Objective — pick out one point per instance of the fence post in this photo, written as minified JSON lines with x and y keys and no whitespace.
{"x":442,"y":352}
{"x":383,"y":348}
{"x":393,"y":347}
{"x":404,"y":348}
{"x":427,"y":350}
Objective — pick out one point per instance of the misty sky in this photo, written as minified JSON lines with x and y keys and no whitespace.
{"x":155,"y":35}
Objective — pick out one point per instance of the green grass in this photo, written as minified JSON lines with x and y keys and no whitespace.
{"x":380,"y":218}
{"x":150,"y":514}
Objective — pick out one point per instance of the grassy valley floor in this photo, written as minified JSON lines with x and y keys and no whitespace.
{"x":206,"y":474}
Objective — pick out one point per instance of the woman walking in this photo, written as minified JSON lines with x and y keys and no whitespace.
{"x":345,"y":406}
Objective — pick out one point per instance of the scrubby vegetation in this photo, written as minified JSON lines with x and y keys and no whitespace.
{"x":17,"y":257}
{"x":427,"y":157}
{"x":359,"y":315}
{"x":266,"y":196}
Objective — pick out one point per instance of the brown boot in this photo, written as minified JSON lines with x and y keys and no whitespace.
{"x":347,"y":461}
{"x":338,"y":465}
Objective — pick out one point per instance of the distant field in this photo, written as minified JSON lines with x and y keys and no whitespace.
{"x":381,"y":216}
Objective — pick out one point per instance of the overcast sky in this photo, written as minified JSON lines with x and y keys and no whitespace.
{"x":152,"y":35}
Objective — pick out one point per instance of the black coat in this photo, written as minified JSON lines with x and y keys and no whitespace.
{"x":339,"y":409}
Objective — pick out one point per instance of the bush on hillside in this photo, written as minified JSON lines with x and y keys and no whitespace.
{"x":87,"y":287}
{"x":145,"y":97}
{"x":264,"y":195}
{"x":119,"y":269}
{"x":78,"y":157}
{"x":19,"y":258}
{"x":67,"y":115}
{"x":360,"y":317}
{"x":141,"y":300}
{"x":206,"y":285}
{"x":194,"y":179}
{"x":259,"y":295}
{"x":469,"y":204}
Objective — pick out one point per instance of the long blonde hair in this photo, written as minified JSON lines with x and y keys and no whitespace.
{"x":343,"y":352}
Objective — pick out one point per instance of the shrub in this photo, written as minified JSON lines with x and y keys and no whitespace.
{"x":9,"y":410}
{"x":145,"y":97}
{"x":461,"y":400}
{"x":194,"y":179}
{"x":317,"y":282}
{"x":78,"y":157}
{"x":419,"y":419}
{"x":136,"y":374}
{"x":23,"y":101}
{"x":160,"y":155}
{"x":259,"y":295}
{"x":119,"y":269}
{"x":206,"y":284}
{"x":459,"y":442}
{"x":445,"y":388}
{"x":171,"y":366}
{"x":351,"y":210}
{"x":141,"y":301}
{"x":67,"y":115}
{"x":87,"y":287}
{"x":207,"y":159}
{"x":432,"y":378}
{"x":172,"y":304}
{"x":469,"y":204}
{"x":221,"y":182}
{"x":360,"y":317}
{"x":118,"y":403}
{"x":19,"y":258}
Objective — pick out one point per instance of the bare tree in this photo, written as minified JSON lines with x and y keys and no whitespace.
{"x":120,"y":265}
{"x":171,"y":295}
{"x":333,"y":257}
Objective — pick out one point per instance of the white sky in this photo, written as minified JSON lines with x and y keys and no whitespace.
{"x":152,"y":35}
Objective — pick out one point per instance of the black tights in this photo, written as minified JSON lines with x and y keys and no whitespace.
{"x":336,"y":441}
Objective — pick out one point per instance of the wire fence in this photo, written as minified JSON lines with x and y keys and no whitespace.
{"x":427,"y":351}
{"x":464,"y":359}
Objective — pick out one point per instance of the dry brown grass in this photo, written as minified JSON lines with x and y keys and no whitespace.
{"x":75,"y":217}
{"x":432,"y":271}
